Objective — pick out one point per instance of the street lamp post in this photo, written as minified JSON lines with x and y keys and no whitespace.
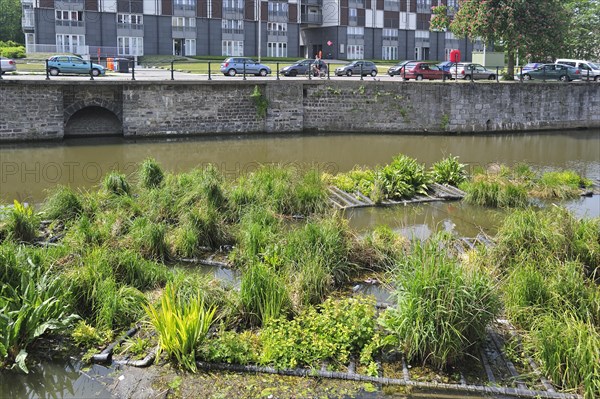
{"x":259,"y":26}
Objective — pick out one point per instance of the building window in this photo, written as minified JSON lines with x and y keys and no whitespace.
{"x":355,"y":32}
{"x":355,"y":52}
{"x":130,"y":45}
{"x":277,"y":28}
{"x":352,"y":16}
{"x":184,"y":5}
{"x":278,"y":9}
{"x":424,"y":6}
{"x":70,"y":44}
{"x":69,"y":18}
{"x":232,"y":26}
{"x":389,"y":52}
{"x":276,"y":49}
{"x":390,"y":34}
{"x":130,"y":21}
{"x":190,"y":46}
{"x":183,"y":22}
{"x":233,"y":5}
{"x":232,"y":48}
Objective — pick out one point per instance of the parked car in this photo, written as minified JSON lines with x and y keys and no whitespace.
{"x":560,"y":72}
{"x":234,"y":65}
{"x":7,"y":65}
{"x":470,"y":71}
{"x":588,"y":69}
{"x":73,"y":64}
{"x":356,"y":67}
{"x":531,"y":65}
{"x":395,"y":69}
{"x":422,"y":70}
{"x":302,"y":67}
{"x":446,"y":65}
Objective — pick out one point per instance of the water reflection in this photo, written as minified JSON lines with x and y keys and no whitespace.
{"x":26,"y":170}
{"x":55,"y":378}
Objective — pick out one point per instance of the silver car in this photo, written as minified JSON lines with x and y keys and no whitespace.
{"x":7,"y":65}
{"x":234,"y":65}
{"x":470,"y":71}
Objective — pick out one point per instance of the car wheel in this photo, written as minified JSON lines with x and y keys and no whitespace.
{"x":492,"y":77}
{"x":95,"y":72}
{"x":597,"y":78}
{"x":419,"y":77}
{"x":564,"y":78}
{"x":231,"y":72}
{"x":373,"y":73}
{"x":54,"y":72}
{"x":467,"y":77}
{"x":349,"y":72}
{"x":526,"y":77}
{"x":293,"y":73}
{"x":262,"y":72}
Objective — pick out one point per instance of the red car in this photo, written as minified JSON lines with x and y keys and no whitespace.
{"x":423,"y":70}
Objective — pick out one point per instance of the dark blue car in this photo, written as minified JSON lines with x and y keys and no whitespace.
{"x":446,"y":65}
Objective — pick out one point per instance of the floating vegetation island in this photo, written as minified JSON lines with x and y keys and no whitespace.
{"x":523,"y":312}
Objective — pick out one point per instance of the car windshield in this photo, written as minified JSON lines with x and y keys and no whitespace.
{"x":411,"y":65}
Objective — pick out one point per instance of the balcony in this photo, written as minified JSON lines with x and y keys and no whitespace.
{"x":130,"y":26}
{"x":315,"y":18}
{"x":28,"y":22}
{"x":184,"y":7}
{"x":232,"y":31}
{"x":69,"y":23}
{"x":184,"y":29}
{"x":356,"y":4}
{"x":312,"y":2}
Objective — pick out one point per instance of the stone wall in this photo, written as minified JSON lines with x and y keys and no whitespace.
{"x":31,"y":110}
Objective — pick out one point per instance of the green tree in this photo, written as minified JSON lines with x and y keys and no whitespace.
{"x":532,"y":29}
{"x":10,"y":21}
{"x":583,"y":37}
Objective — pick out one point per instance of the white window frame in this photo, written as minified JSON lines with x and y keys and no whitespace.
{"x":232,"y":48}
{"x":389,"y":52}
{"x":68,"y":43}
{"x":130,"y":45}
{"x":134,"y":19}
{"x":355,"y":51}
{"x":190,"y":47}
{"x":277,"y":49}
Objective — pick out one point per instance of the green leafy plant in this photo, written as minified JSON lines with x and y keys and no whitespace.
{"x":23,"y":222}
{"x":232,"y":347}
{"x":449,"y":171}
{"x":181,"y":325}
{"x":63,"y":204}
{"x":116,"y":183}
{"x":263,"y":294}
{"x":261,"y":102}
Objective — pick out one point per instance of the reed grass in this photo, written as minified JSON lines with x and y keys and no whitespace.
{"x":23,"y":223}
{"x":494,"y":191}
{"x":63,"y":203}
{"x":201,"y":187}
{"x":116,"y":183}
{"x":442,"y":309}
{"x":257,"y":232}
{"x":149,"y":238}
{"x":567,"y":349}
{"x":181,"y":326}
{"x":151,"y":174}
{"x":263,"y":294}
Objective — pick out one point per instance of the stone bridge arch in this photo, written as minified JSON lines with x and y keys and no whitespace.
{"x":93,"y":117}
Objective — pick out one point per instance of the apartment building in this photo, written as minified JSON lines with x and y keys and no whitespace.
{"x":340,"y":29}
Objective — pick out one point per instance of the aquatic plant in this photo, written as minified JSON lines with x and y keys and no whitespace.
{"x":257,"y":231}
{"x":567,"y":350}
{"x":116,"y":183}
{"x":263,"y":294}
{"x":442,"y":309}
{"x":331,"y":332}
{"x":181,"y":326}
{"x":37,"y":305}
{"x":448,"y":171}
{"x":149,"y":238}
{"x":23,"y":223}
{"x":63,"y":203}
{"x":383,"y":247}
{"x":201,"y":187}
{"x":151,"y":174}
{"x":402,"y":178}
{"x":494,"y":191}
{"x":232,"y":347}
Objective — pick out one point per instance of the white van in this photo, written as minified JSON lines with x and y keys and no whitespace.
{"x":584,"y":66}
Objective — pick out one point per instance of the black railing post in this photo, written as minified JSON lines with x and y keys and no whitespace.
{"x":277,"y":73}
{"x":172,"y":75}
{"x":91,"y":70}
{"x":244,"y":69}
{"x":1,"y":68}
{"x":47,"y":74}
{"x":209,"y":77}
{"x":328,"y":68}
{"x":520,"y":75}
{"x":133,"y":70}
{"x":361,"y":71}
{"x":311,"y":70}
{"x":497,"y":77}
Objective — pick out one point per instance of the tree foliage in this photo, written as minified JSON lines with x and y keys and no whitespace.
{"x":10,"y":21}
{"x":532,"y":29}
{"x":583,"y":36}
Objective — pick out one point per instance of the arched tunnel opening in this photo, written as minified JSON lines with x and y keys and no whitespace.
{"x":93,"y":121}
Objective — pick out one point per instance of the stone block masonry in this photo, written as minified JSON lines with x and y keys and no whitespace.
{"x":41,"y":110}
